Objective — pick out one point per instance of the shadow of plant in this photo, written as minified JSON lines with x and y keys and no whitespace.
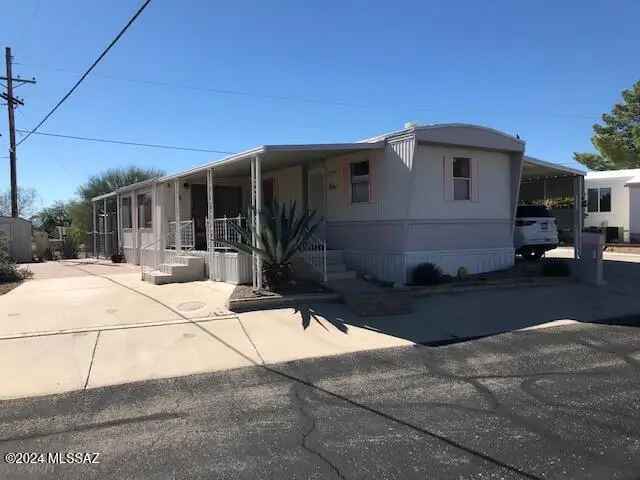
{"x":307,"y":314}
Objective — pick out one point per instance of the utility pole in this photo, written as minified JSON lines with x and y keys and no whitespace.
{"x":12,"y":103}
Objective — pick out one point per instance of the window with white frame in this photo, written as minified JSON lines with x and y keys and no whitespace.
{"x":126,"y":212}
{"x":462,"y":178}
{"x":599,"y":200}
{"x":360,"y":182}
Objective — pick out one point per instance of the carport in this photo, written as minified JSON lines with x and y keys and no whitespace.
{"x":559,"y":188}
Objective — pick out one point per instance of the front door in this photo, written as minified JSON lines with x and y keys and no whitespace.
{"x":227,"y":201}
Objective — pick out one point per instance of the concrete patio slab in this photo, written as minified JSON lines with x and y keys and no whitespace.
{"x":131,"y":355}
{"x":280,"y":335}
{"x":44,"y":306}
{"x":40,"y":366}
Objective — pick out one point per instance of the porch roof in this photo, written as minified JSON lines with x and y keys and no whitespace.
{"x":273,"y":157}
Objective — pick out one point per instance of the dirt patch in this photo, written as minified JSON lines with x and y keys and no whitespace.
{"x":7,"y":287}
{"x":298,"y":287}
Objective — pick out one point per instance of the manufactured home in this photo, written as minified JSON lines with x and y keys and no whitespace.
{"x":445,"y":194}
{"x":613,"y":203}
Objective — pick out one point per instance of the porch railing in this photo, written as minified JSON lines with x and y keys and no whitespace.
{"x":187,"y":235}
{"x":314,"y":252}
{"x":221,"y":229}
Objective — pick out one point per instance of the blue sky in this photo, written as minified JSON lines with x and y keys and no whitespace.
{"x":545,"y":70}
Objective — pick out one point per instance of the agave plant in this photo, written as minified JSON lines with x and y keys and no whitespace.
{"x":283,"y":233}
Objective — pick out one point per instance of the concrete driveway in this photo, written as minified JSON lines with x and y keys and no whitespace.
{"x":79,"y":325}
{"x":82,"y":324}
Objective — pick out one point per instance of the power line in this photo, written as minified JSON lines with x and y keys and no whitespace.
{"x":124,"y":142}
{"x":287,"y":98}
{"x":85,"y":74}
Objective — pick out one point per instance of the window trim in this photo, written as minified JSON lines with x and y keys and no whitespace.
{"x":368,"y":180}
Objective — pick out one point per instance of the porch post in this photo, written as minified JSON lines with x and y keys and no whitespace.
{"x":118,"y":222}
{"x":94,"y":233}
{"x":176,"y":192}
{"x":258,"y":176}
{"x":155,"y":222}
{"x":210,"y":212}
{"x":252,"y":211}
{"x":104,"y":227}
{"x":134,"y":219}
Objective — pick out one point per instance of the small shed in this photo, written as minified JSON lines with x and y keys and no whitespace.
{"x":17,"y":233}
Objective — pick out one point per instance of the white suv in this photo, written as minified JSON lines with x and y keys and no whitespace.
{"x":535,"y":232}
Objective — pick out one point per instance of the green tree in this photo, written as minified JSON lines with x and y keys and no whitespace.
{"x":51,"y":217}
{"x":617,"y":139}
{"x":115,"y":178}
{"x":105,"y":182}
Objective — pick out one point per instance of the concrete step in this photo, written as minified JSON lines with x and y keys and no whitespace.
{"x":188,"y":268}
{"x":156,"y":277}
{"x":193,"y":261}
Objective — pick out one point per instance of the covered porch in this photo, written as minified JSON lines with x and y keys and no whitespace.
{"x":164,"y":222}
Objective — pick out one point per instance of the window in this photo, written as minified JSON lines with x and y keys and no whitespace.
{"x":144,"y":211}
{"x":605,"y":199}
{"x":360,"y":182}
{"x":126,"y":212}
{"x":599,"y":199}
{"x":461,"y":178}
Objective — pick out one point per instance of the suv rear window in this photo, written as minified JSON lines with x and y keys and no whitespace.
{"x":533,"y":211}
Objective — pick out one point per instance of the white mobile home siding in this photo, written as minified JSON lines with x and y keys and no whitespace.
{"x":619,"y":216}
{"x":410,"y":217}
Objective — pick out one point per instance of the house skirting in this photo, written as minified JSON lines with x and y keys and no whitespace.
{"x":230,"y":267}
{"x":398,"y":266}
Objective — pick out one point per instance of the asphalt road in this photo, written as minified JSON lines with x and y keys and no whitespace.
{"x":553,"y":403}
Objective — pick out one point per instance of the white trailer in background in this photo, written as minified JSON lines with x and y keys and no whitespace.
{"x":613,"y":203}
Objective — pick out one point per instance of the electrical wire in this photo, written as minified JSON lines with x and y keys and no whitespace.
{"x":85,"y":74}
{"x":124,"y":142}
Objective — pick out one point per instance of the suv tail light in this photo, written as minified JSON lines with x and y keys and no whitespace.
{"x":524,"y":223}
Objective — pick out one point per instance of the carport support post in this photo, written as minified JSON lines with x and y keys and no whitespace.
{"x":178,"y":236}
{"x":94,"y":233}
{"x":258,"y":176}
{"x":578,"y":215}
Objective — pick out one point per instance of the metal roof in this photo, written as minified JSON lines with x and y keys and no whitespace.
{"x":274,"y":156}
{"x":535,"y":167}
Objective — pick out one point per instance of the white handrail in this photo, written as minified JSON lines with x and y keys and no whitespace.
{"x":314,"y":252}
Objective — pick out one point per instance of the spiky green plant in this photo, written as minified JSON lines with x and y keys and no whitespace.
{"x":283,"y":234}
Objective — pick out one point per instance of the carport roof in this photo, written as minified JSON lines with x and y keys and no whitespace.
{"x":536,"y":168}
